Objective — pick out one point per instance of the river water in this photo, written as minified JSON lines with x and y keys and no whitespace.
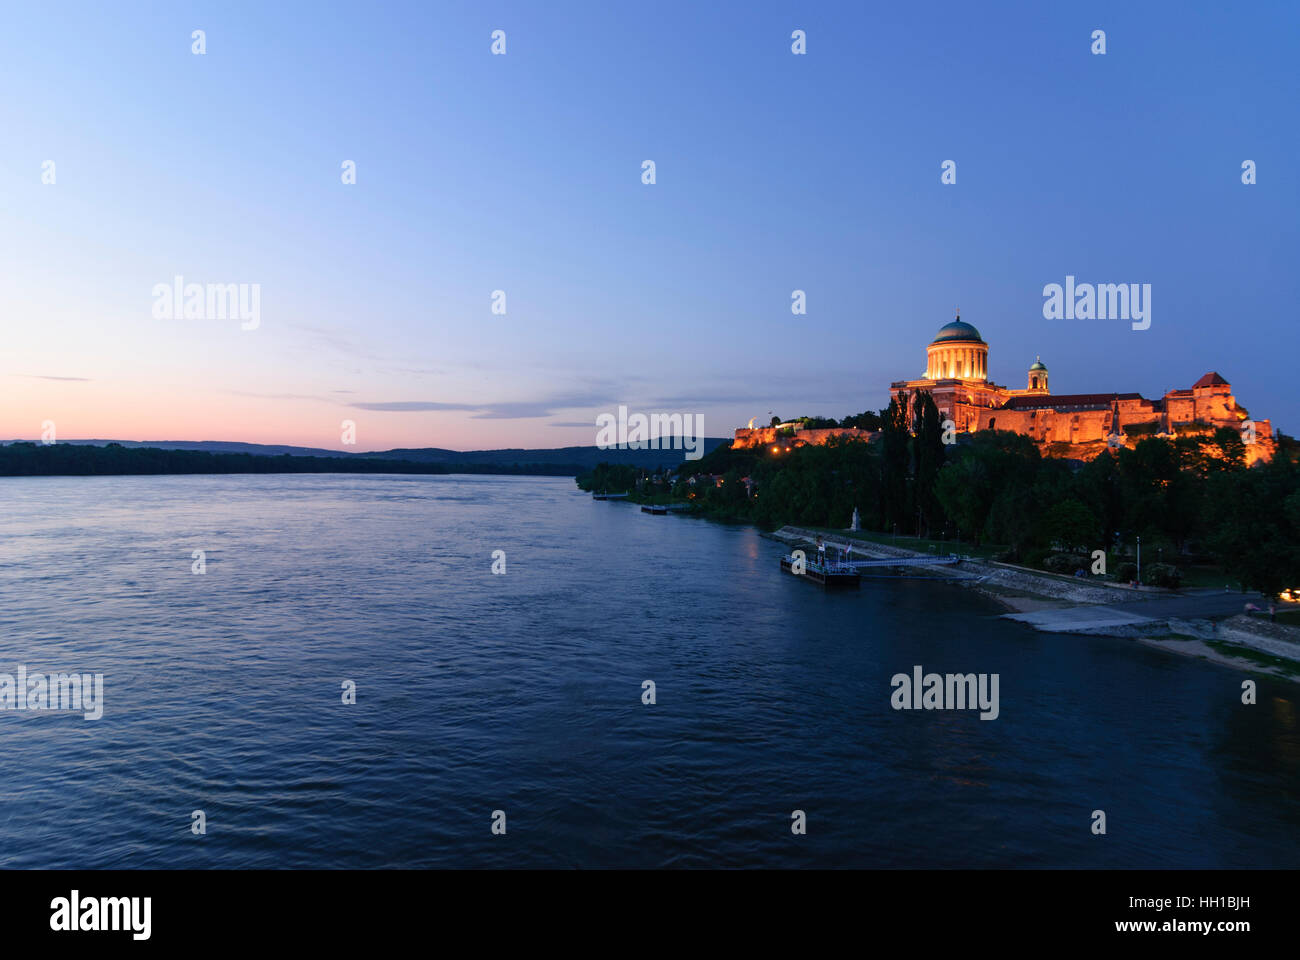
{"x":522,"y":693}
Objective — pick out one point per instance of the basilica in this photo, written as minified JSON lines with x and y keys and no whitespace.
{"x":1073,"y":424}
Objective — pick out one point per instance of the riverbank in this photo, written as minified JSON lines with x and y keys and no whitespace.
{"x":1206,"y":624}
{"x":1017,"y":588}
{"x":1271,"y":648}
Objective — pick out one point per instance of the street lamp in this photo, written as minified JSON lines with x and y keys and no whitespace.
{"x":1139,"y":539}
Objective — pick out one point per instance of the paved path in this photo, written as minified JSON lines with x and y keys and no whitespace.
{"x":1189,"y":606}
{"x":922,"y":561}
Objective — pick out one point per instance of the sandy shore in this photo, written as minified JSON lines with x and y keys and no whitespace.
{"x":1192,"y":647}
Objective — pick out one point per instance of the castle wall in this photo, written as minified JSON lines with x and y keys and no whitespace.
{"x":763,"y":436}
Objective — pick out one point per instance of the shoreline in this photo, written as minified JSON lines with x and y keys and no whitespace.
{"x":1198,"y":649}
{"x":1238,"y":641}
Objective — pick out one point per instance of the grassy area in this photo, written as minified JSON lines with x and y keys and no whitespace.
{"x":1289,"y":615}
{"x":1200,"y":577}
{"x":1289,"y":667}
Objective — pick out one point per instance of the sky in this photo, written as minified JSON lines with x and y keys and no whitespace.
{"x":522,"y":173}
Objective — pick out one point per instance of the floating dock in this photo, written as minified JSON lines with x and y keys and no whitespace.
{"x":918,"y":561}
{"x":662,"y":509}
{"x":836,"y":566}
{"x":609,"y":496}
{"x":826,"y":573}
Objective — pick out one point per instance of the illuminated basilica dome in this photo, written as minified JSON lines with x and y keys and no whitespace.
{"x":957,"y":330}
{"x":958,"y":352}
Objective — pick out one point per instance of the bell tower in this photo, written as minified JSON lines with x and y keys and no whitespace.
{"x":1038,"y":376}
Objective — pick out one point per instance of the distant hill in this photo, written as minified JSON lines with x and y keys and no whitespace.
{"x":577,"y":458}
{"x":27,"y":459}
{"x":585,"y":457}
{"x":217,"y":446}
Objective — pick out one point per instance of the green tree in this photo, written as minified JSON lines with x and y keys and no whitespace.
{"x":895,"y":463}
{"x":928,"y":456}
{"x":1072,"y":525}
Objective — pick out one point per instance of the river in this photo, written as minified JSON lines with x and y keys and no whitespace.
{"x":522,"y":692}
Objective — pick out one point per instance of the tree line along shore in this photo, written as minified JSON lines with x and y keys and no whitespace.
{"x":25,"y":459}
{"x":1200,"y":515}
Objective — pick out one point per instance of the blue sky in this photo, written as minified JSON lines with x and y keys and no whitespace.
{"x":522,"y":173}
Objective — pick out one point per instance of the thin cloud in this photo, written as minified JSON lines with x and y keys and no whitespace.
{"x":274,"y":396}
{"x":750,"y":399}
{"x":499,"y":410}
{"x":413,"y":406}
{"x":520,"y":410}
{"x":338,"y":341}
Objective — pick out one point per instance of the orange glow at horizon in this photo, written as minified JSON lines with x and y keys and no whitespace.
{"x":112,"y":411}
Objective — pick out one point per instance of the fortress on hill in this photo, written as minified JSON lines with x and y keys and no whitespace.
{"x":1078,"y":425}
